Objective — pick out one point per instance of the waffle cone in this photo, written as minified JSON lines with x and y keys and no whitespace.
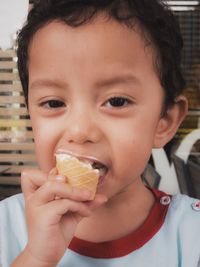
{"x":78,"y":174}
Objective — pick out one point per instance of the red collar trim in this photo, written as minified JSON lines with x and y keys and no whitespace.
{"x":125,"y":245}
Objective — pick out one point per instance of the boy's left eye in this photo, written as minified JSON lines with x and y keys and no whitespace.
{"x":117,"y":102}
{"x":51,"y":104}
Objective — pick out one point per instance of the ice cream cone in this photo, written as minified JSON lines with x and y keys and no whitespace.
{"x":78,"y":174}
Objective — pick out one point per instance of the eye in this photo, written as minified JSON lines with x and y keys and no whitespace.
{"x":118,"y":102}
{"x":53,"y":104}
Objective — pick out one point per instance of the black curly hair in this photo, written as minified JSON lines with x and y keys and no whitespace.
{"x":156,"y":22}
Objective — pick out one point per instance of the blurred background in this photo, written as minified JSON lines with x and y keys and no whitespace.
{"x":174,"y":169}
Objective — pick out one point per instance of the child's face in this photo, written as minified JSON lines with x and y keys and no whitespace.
{"x":93,"y":91}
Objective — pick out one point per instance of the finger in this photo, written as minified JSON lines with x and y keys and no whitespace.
{"x":91,"y":205}
{"x":54,"y":171}
{"x":65,"y":207}
{"x":52,"y":189}
{"x":31,"y":180}
{"x":97,"y":202}
{"x":58,"y":178}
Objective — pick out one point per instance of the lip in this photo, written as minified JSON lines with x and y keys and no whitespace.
{"x":102,"y":180}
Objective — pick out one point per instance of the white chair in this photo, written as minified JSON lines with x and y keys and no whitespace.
{"x":187,"y":143}
{"x":169,"y":182}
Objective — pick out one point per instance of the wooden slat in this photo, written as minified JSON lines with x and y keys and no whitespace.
{"x":15,"y":180}
{"x":11,"y":125}
{"x":18,"y":168}
{"x":7,"y":54}
{"x":13,"y":134}
{"x":17,"y":158}
{"x":15,"y":123}
{"x":11,"y":87}
{"x":8,"y":65}
{"x":11,"y":99}
{"x":17,"y":146}
{"x":9,"y":76}
{"x":13,"y":111}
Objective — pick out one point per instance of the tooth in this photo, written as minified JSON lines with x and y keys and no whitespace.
{"x":102,"y":171}
{"x":87,"y":161}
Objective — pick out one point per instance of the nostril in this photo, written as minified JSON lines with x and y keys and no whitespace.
{"x":80,"y":135}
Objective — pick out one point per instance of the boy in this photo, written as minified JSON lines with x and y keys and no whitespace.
{"x":102,"y":83}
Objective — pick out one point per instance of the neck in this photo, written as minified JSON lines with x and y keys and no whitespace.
{"x":121,"y":215}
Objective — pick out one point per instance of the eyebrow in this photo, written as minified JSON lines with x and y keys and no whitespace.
{"x":116,"y":80}
{"x":48,"y":83}
{"x":121,"y":79}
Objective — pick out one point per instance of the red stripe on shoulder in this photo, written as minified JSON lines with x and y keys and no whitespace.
{"x":126,"y":245}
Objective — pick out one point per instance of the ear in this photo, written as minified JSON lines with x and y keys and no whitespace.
{"x":170,"y":122}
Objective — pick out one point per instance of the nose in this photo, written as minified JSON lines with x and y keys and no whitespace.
{"x":82,"y":127}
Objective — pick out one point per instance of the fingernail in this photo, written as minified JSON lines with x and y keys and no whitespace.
{"x":86,"y":193}
{"x":53,"y":171}
{"x":23,"y":174}
{"x":60,"y":178}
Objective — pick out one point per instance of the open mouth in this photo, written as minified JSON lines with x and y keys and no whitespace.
{"x":90,"y":162}
{"x":100,"y":167}
{"x":96,"y":165}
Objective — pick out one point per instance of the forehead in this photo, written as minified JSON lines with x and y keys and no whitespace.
{"x":99,"y":30}
{"x":102,"y":45}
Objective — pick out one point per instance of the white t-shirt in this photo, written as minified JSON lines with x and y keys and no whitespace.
{"x":170,"y":237}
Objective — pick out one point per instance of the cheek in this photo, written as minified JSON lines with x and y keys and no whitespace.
{"x":132,"y":156}
{"x":132,"y":147}
{"x":45,"y":139}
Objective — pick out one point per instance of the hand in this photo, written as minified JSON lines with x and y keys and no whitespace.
{"x":53,"y":211}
